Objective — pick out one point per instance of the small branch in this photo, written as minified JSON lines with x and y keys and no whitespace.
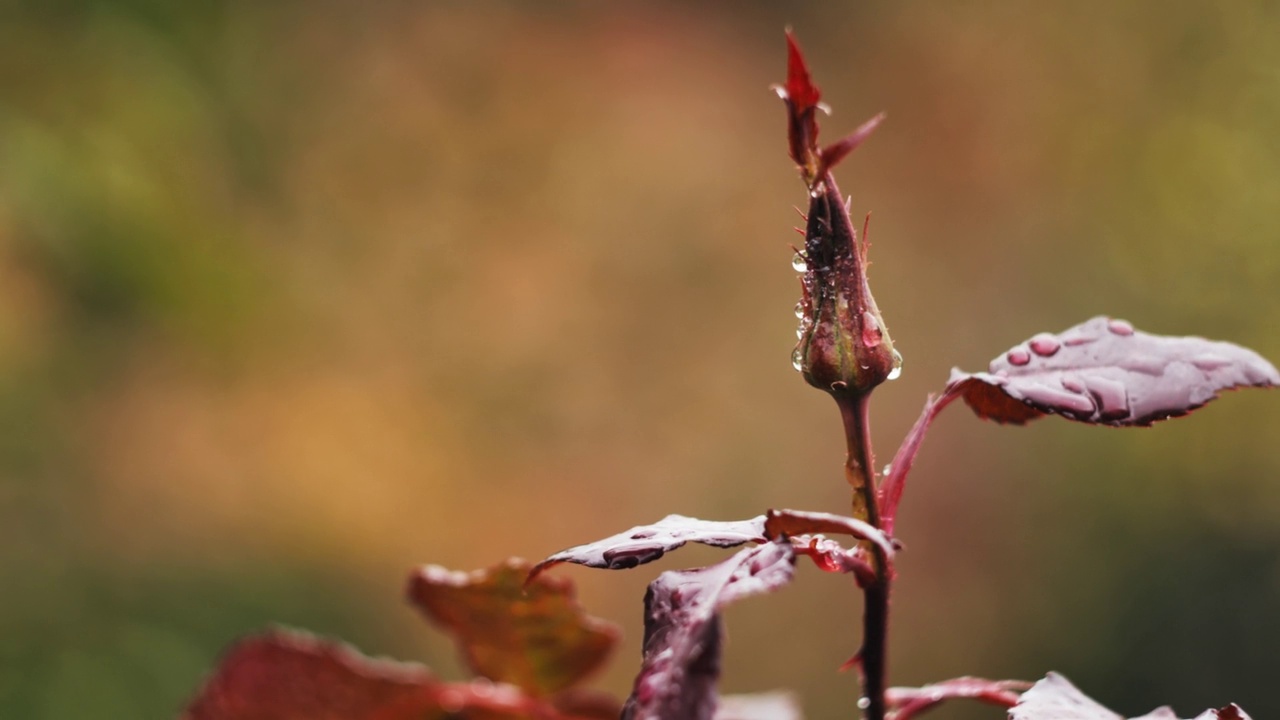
{"x":896,"y":479}
{"x":873,"y":657}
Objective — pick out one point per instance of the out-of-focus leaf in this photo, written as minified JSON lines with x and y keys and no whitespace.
{"x":1104,"y":372}
{"x":909,"y":702}
{"x":759,"y":706}
{"x":289,"y":675}
{"x":283,"y":675}
{"x":1055,"y":698}
{"x":646,"y":543}
{"x":531,"y":634}
{"x":587,"y":704}
{"x":677,"y":680}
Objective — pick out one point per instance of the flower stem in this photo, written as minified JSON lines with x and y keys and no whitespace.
{"x":859,"y":470}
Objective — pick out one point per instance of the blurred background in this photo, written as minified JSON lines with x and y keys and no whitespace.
{"x":296,"y":296}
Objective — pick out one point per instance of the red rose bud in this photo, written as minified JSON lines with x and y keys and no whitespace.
{"x":844,"y":346}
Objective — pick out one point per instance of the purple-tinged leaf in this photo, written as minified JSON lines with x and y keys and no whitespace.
{"x":759,"y":706}
{"x":531,"y":634}
{"x":646,"y":543}
{"x":1104,"y":372}
{"x":800,"y":522}
{"x":1055,"y":698}
{"x":677,"y":680}
{"x":909,"y":702}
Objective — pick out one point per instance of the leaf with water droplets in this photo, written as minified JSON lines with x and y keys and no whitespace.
{"x":1104,"y":372}
{"x":909,"y":702}
{"x":646,"y":543}
{"x":290,"y":675}
{"x":682,"y":633}
{"x":531,"y":634}
{"x":1055,"y":698}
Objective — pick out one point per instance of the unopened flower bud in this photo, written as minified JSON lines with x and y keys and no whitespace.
{"x":844,"y":346}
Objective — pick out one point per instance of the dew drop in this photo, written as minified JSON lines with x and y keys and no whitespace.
{"x":887,"y":469}
{"x":864,"y":703}
{"x":1120,"y":327}
{"x":871,"y":332}
{"x":1018,"y":357}
{"x":800,"y":331}
{"x":1044,"y":345}
{"x":799,"y":310}
{"x":896,"y":372}
{"x":798,"y":264}
{"x":796,"y":356}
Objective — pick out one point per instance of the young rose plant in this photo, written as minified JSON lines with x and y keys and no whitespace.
{"x":530,"y":646}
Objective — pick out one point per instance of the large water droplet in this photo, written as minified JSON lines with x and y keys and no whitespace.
{"x":1018,"y":357}
{"x":896,"y":372}
{"x":871,"y":331}
{"x":1120,"y":327}
{"x":798,"y":264}
{"x":1044,"y":344}
{"x":797,"y":356}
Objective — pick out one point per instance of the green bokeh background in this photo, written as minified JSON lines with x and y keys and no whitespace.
{"x":295,"y":296}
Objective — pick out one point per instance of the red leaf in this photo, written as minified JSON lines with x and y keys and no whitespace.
{"x":531,"y":634}
{"x":289,"y":675}
{"x":283,"y":675}
{"x":677,"y":680}
{"x":1103,"y":372}
{"x":646,"y":543}
{"x":1055,"y":698}
{"x":909,"y":702}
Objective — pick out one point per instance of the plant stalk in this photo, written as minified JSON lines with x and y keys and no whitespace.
{"x":859,"y":470}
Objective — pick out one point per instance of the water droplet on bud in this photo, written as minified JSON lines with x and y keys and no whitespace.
{"x":896,"y":372}
{"x":797,"y":356}
{"x":798,"y":264}
{"x":799,"y":310}
{"x":864,"y":703}
{"x":871,"y":332}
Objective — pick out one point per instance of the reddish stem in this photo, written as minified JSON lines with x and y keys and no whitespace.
{"x":873,"y":657}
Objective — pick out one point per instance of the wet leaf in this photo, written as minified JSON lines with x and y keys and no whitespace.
{"x":797,"y":522}
{"x":531,"y":634}
{"x":677,"y":680}
{"x":759,"y":706}
{"x":1104,"y":372}
{"x":290,"y":675}
{"x":909,"y":702}
{"x":1055,"y":698}
{"x":646,"y":543}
